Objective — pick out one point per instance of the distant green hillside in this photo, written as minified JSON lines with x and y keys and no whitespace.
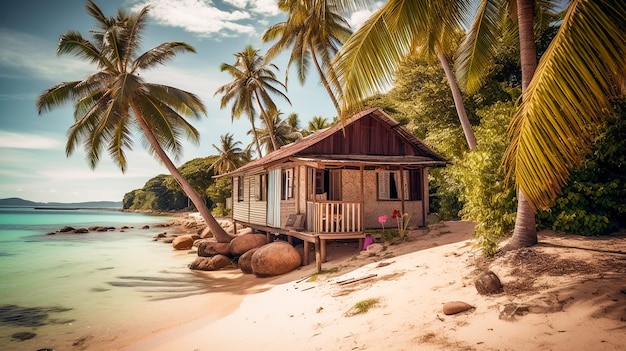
{"x":16,"y":201}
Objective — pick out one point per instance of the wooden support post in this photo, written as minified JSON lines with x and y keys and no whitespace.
{"x":305,"y":256}
{"x":318,"y":255}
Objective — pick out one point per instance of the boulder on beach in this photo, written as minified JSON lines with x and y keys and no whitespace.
{"x":275,"y":258}
{"x":221,"y":261}
{"x":245,"y":261}
{"x":81,"y":231}
{"x":206,"y":233}
{"x":201,"y":264}
{"x":66,"y":229}
{"x":246,"y":242}
{"x":211,"y":263}
{"x":212,"y":248}
{"x":183,"y":242}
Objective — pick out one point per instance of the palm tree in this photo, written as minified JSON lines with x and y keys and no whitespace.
{"x":253,"y":82}
{"x":231,"y":156}
{"x":111,"y":102}
{"x":314,"y":30}
{"x":317,"y":123}
{"x":368,"y":60}
{"x":565,"y":98}
{"x":284,"y":132}
{"x":293,"y":120}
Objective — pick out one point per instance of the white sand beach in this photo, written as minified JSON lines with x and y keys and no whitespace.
{"x":566,"y":293}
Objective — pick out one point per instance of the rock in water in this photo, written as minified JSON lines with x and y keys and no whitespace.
{"x":247,"y":242}
{"x":488,"y":283}
{"x":275,"y":258}
{"x":455,"y":307}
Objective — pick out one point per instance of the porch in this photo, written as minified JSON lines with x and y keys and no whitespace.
{"x":325,"y":220}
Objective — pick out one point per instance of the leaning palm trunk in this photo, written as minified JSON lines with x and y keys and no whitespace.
{"x":218,"y":232}
{"x":525,"y":231}
{"x":458,"y":101}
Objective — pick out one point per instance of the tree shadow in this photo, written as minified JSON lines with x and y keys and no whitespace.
{"x":183,"y":284}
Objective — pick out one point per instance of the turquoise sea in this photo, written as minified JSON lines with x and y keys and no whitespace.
{"x":79,"y":291}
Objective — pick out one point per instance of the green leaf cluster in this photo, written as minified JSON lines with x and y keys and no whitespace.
{"x":594,"y":201}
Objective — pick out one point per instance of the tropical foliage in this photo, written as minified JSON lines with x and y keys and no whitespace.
{"x":594,"y":201}
{"x":568,"y":99}
{"x":230,"y":155}
{"x":163,"y":193}
{"x":283,"y":131}
{"x":253,"y":84}
{"x":314,"y":30}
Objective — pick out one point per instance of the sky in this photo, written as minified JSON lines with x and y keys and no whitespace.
{"x":33,"y":163}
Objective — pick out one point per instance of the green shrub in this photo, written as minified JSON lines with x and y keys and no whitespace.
{"x":362,"y":307}
{"x":479,"y":179}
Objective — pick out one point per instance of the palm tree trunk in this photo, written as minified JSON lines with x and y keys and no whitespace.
{"x":255,"y":136}
{"x":525,"y":232}
{"x":268,"y":121}
{"x":325,"y":82}
{"x":458,"y":101}
{"x":218,"y":232}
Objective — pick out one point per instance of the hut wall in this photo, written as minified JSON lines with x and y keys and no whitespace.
{"x":375,"y":208}
{"x":351,"y":185}
{"x":249,"y":210}
{"x":240,"y":208}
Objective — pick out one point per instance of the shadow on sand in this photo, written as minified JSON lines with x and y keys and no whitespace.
{"x":182,"y":284}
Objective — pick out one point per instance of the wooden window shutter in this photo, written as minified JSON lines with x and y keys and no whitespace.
{"x":383,"y":185}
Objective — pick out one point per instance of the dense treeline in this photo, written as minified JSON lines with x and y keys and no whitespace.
{"x":163,"y":193}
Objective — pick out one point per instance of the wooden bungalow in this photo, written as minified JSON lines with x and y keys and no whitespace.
{"x":334,"y":184}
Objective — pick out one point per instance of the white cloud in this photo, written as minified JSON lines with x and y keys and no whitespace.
{"x":36,"y":57}
{"x":267,"y":7}
{"x":27,"y":141}
{"x":357,"y":18}
{"x":197,"y":16}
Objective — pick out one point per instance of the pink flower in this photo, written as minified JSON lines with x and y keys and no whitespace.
{"x":382,"y":219}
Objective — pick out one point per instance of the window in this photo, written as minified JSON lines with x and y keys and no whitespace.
{"x":260,"y":187}
{"x":287,"y":184}
{"x":389,"y":185}
{"x":239,"y":189}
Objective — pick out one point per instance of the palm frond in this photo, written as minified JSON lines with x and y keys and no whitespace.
{"x":183,"y":102}
{"x":73,"y":42}
{"x":473,"y":58}
{"x":56,"y":96}
{"x":568,"y":98}
{"x":160,"y":55}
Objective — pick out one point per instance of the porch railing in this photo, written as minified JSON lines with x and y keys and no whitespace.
{"x":334,"y":217}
